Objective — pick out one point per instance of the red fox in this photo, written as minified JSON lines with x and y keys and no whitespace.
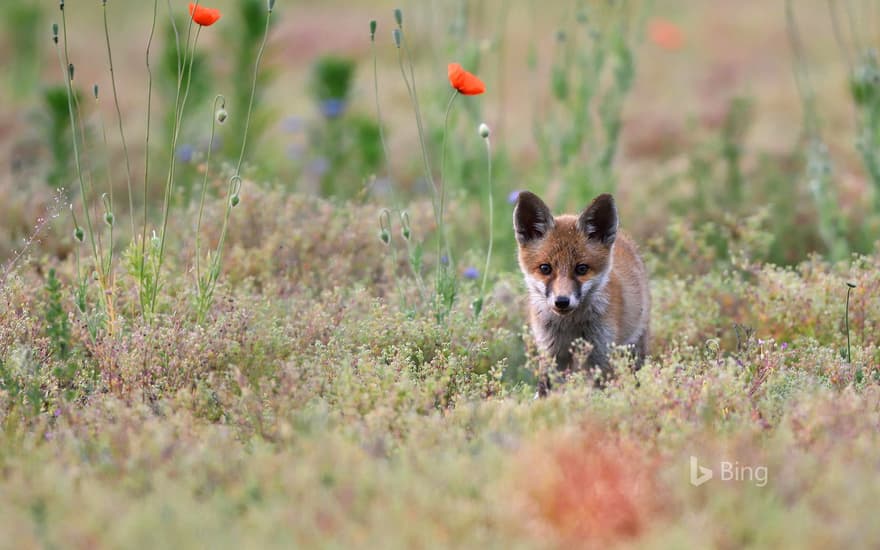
{"x":585,"y":280}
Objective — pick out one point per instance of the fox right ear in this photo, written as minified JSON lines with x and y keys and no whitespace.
{"x":531,"y":217}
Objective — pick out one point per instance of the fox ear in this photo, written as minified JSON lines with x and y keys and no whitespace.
{"x":531,"y":217}
{"x":599,"y":220}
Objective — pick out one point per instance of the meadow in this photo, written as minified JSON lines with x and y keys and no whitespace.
{"x":258,"y":279}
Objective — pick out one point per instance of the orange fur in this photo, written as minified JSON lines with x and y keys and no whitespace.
{"x":585,"y":280}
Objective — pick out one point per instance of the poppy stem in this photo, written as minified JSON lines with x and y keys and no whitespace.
{"x":119,"y":120}
{"x":491,"y":221}
{"x":441,"y":227}
{"x":199,"y":284}
{"x":234,"y":185}
{"x":142,"y":266}
{"x":169,"y":184}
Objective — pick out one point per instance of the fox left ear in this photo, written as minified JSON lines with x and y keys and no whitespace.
{"x":599,"y":220}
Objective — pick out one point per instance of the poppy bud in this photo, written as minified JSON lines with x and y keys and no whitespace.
{"x":70,"y":71}
{"x":235,"y":200}
{"x":404,"y":225}
{"x":851,"y":285}
{"x":61,"y":5}
{"x":78,"y":234}
{"x":398,"y":16}
{"x":221,"y":115}
{"x":372,"y":30}
{"x":55,"y":32}
{"x":271,"y":5}
{"x":484,"y":131}
{"x":108,"y":217}
{"x":95,"y":91}
{"x":385,"y":236}
{"x":396,"y":34}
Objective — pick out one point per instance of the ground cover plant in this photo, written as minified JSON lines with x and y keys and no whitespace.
{"x":258,"y":285}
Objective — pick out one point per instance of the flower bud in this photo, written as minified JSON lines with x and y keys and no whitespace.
{"x":396,"y":34}
{"x":398,"y":16}
{"x":55,"y":32}
{"x":108,"y":217}
{"x":95,"y":91}
{"x":235,"y":200}
{"x":484,"y":131}
{"x":61,"y":5}
{"x":221,"y":115}
{"x":78,"y":234}
{"x":405,"y":230}
{"x":271,"y":5}
{"x":372,"y":30}
{"x":70,"y":71}
{"x":385,"y":236}
{"x":850,"y":284}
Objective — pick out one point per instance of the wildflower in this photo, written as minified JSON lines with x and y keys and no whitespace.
{"x":333,"y":107}
{"x":665,"y":34}
{"x":471,"y":273}
{"x":319,"y":166}
{"x":465,"y":82}
{"x":204,"y":16}
{"x":511,"y":198}
{"x":292,"y":124}
{"x":185,"y":153}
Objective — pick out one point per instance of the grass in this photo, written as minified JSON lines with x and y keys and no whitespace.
{"x":302,"y":392}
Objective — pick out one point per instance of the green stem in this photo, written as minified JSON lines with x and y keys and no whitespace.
{"x":441,"y":231}
{"x":491,"y":220}
{"x":119,"y":119}
{"x":169,"y":184}
{"x":146,"y":161}
{"x":849,"y":288}
{"x":235,"y":181}
{"x":201,"y":289}
{"x":379,"y":117}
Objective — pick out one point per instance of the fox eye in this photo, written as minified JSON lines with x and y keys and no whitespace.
{"x":545,"y":269}
{"x":581,"y":269}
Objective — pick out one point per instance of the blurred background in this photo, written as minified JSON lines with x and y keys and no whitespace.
{"x":716,"y":122}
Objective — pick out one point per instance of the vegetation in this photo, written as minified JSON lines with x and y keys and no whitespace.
{"x":291,"y":316}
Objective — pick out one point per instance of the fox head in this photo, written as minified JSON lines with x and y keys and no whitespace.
{"x":567,"y":258}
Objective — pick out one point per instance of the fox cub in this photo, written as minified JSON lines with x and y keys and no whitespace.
{"x":585,"y":280}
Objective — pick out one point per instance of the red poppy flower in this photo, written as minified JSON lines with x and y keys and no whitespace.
{"x":204,"y":16}
{"x":665,"y":34}
{"x":465,"y":82}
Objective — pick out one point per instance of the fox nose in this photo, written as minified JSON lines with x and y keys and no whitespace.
{"x":562,"y":302}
